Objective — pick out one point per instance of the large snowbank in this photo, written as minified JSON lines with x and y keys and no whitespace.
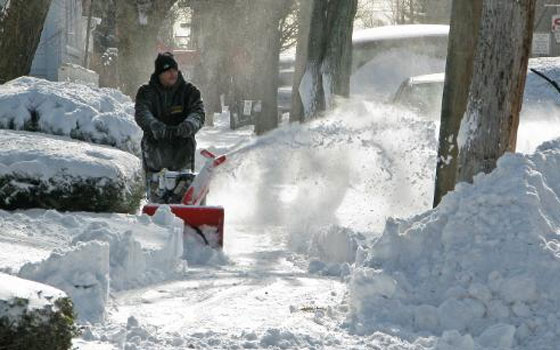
{"x":97,"y":115}
{"x":46,"y":171}
{"x":482,"y":268}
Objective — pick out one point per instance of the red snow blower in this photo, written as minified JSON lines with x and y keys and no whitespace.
{"x":207,"y":222}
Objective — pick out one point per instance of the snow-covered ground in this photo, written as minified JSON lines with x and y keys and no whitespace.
{"x":330,"y":243}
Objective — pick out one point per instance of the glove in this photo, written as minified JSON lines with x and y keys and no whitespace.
{"x":185,"y":129}
{"x":170,"y":132}
{"x":158,"y":129}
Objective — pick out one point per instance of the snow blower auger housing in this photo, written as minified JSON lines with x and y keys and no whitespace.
{"x":205,"y":222}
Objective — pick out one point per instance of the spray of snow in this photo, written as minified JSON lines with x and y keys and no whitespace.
{"x":537,"y":124}
{"x":328,"y":172}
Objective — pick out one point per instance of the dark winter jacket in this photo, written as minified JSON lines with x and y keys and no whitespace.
{"x":172,"y":106}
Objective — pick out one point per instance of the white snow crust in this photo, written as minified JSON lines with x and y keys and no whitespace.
{"x":38,"y":295}
{"x":46,"y":156}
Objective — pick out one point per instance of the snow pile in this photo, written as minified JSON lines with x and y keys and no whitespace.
{"x":135,"y":335}
{"x":82,"y":272}
{"x":97,"y":115}
{"x":197,"y":252}
{"x":136,"y":259}
{"x":106,"y":253}
{"x":482,"y":268}
{"x":39,"y":170}
{"x":334,"y":249}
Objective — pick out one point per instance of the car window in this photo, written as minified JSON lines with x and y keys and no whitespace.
{"x":424,"y":97}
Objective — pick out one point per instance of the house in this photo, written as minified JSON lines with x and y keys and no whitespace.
{"x":61,"y":48}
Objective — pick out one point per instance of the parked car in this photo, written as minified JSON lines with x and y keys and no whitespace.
{"x":384,"y":56}
{"x":424,"y":93}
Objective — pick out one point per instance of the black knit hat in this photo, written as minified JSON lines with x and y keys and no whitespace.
{"x":165,"y":61}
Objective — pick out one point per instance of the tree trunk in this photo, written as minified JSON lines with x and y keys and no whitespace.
{"x":438,"y":11}
{"x":337,"y":62}
{"x":266,"y":52}
{"x":304,"y":26}
{"x":310,"y":88}
{"x":21,"y":24}
{"x":489,"y":126}
{"x":105,"y":57}
{"x":463,"y":33}
{"x":205,"y":16}
{"x":138,"y":24}
{"x":329,"y":47}
{"x":215,"y":23}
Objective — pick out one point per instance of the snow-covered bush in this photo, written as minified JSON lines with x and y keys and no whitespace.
{"x":97,"y":115}
{"x":34,"y":316}
{"x":482,"y":265}
{"x":46,"y":171}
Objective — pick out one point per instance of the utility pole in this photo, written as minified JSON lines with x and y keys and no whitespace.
{"x":88,"y":30}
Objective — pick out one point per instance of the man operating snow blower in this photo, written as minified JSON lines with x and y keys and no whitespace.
{"x":170,"y":111}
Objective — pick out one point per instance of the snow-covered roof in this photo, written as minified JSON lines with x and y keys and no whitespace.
{"x":407,"y":31}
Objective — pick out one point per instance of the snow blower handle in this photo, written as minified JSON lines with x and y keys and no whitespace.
{"x":199,"y":187}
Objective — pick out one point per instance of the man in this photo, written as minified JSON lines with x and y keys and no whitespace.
{"x":170,"y":112}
